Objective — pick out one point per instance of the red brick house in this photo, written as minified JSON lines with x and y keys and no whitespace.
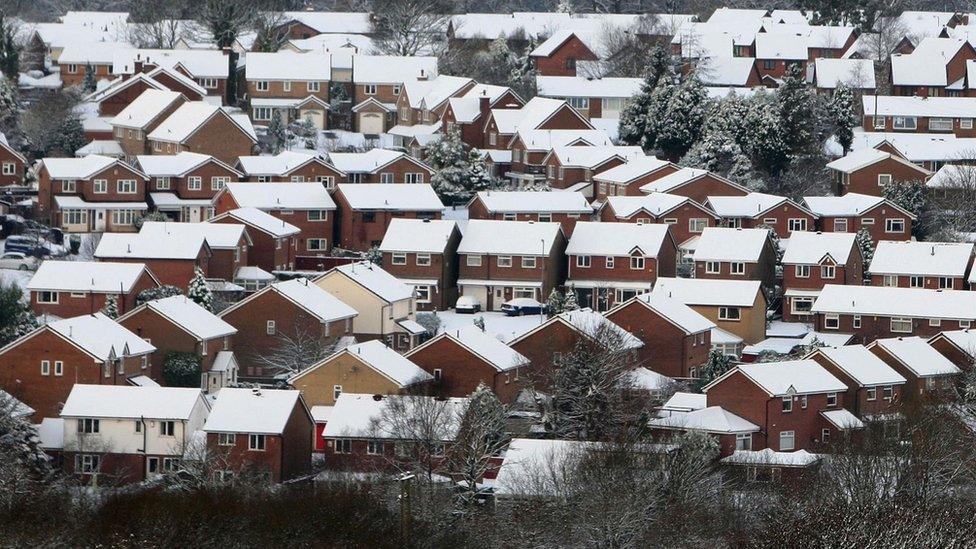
{"x":365,"y":210}
{"x":529,"y":149}
{"x":811,"y":261}
{"x":467,"y":113}
{"x":502,"y":260}
{"x":933,"y":68}
{"x":686,"y":217}
{"x":198,"y":126}
{"x":628,"y":179}
{"x":913,"y":264}
{"x":732,"y":432}
{"x":262,"y":432}
{"x":144,"y":114}
{"x":573,"y":167}
{"x":380,"y":78}
{"x":307,"y":206}
{"x":559,"y":54}
{"x":918,"y":114}
{"x":380,"y":166}
{"x":279,"y":83}
{"x":12,"y":165}
{"x":422,"y":102}
{"x":183,"y":185}
{"x":565,"y":208}
{"x":174,"y":261}
{"x":735,"y":306}
{"x":41,"y":367}
{"x":867,"y":171}
{"x":728,"y":253}
{"x":755,"y":210}
{"x":593,"y":97}
{"x":676,"y":339}
{"x":178,"y":324}
{"x":777,"y":53}
{"x":72,"y":288}
{"x":873,"y":387}
{"x":291,"y":166}
{"x":610,"y":263}
{"x":930,"y":375}
{"x":461,"y":360}
{"x":422,"y":253}
{"x":880,"y":217}
{"x":229,"y":243}
{"x":538,"y":114}
{"x":959,"y":346}
{"x":123,"y":91}
{"x":292,"y":309}
{"x":274,"y":242}
{"x":694,"y":183}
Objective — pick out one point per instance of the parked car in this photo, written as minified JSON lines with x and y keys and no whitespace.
{"x":26,"y":245}
{"x":522,"y":306}
{"x":17,"y":260}
{"x":467,"y":304}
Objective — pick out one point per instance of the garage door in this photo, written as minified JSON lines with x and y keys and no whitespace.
{"x":370,"y":122}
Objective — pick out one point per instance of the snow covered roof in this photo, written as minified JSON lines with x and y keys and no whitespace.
{"x":332,"y":22}
{"x":95,"y":53}
{"x":728,"y":244}
{"x":146,"y":108}
{"x":952,"y":176}
{"x":360,"y":416}
{"x":418,"y":235}
{"x":593,"y":157}
{"x":100,"y":336}
{"x":918,"y":70}
{"x":418,"y":197}
{"x":710,"y":292}
{"x":431,"y":93}
{"x":546,"y":140}
{"x":289,"y":65}
{"x":920,"y":147}
{"x":86,"y":276}
{"x":790,"y":47}
{"x":861,"y":365}
{"x":854,"y":73}
{"x":77,"y":168}
{"x":680,"y":178}
{"x":851,"y":204}
{"x":50,"y":433}
{"x":647,"y":380}
{"x":921,"y":258}
{"x":187,"y":314}
{"x":190,"y":116}
{"x":593,"y":324}
{"x":313,"y":299}
{"x":580,"y":86}
{"x":482,"y":236}
{"x":617,"y":239}
{"x":713,"y":419}
{"x":862,"y":158}
{"x":939,"y":107}
{"x":537,"y":467}
{"x":685,"y":402}
{"x":676,"y":312}
{"x":366,"y":162}
{"x":529,"y":117}
{"x":772,"y":458}
{"x":917,"y":355}
{"x":751,"y":205}
{"x":200,"y":63}
{"x":727,"y":71}
{"x":535,"y":202}
{"x":392,"y":69}
{"x":376,"y":280}
{"x":129,"y":402}
{"x":791,"y":377}
{"x":806,"y":248}
{"x":385,"y":361}
{"x":144,"y":246}
{"x":842,"y":419}
{"x":965,"y":340}
{"x":176,"y":165}
{"x":488,"y":347}
{"x":217,"y":235}
{"x":898,"y":302}
{"x":258,"y":411}
{"x":263,"y":221}
{"x":281,"y":196}
{"x":655,"y":204}
{"x":280,"y":164}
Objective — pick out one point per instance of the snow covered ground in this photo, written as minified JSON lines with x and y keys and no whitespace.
{"x":505,"y":328}
{"x":20,"y":278}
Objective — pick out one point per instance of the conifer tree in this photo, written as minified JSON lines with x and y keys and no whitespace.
{"x":199,"y":291}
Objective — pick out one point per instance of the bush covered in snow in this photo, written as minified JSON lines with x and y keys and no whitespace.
{"x":181,"y":369}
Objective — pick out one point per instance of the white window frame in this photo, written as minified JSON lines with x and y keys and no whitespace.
{"x":503,"y":261}
{"x":261,"y":85}
{"x":270,"y":327}
{"x":901,"y":325}
{"x":583,"y":261}
{"x":257,"y":442}
{"x":724,"y":314}
{"x":528,"y":262}
{"x":787,"y":436}
{"x":884,"y":179}
{"x":369,"y":89}
{"x":890,"y":223}
{"x":828,"y":271}
{"x":831,"y":322}
{"x":194,"y":183}
{"x":226,"y":439}
{"x":473,"y":260}
{"x":713,"y":267}
{"x":45,"y":367}
{"x":313,"y":86}
{"x":797,"y":224}
{"x":801,"y":271}
{"x":398,"y":258}
{"x":637,"y":262}
{"x":904,"y":123}
{"x":737,"y":268}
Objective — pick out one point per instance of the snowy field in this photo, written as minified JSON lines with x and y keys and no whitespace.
{"x":505,"y":328}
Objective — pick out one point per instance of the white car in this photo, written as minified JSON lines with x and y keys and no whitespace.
{"x":17,"y":260}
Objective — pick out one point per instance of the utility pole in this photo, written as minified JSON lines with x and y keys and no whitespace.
{"x":406,"y":516}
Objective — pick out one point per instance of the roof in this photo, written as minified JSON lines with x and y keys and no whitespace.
{"x":530,"y":116}
{"x":680,"y":178}
{"x":482,"y":236}
{"x":679,"y":314}
{"x":130,"y":402}
{"x":728,"y":244}
{"x":647,"y":380}
{"x":593,"y":157}
{"x":86,"y":276}
{"x":146,"y":108}
{"x":418,"y":197}
{"x":710,"y":292}
{"x":789,"y":47}
{"x":360,"y":416}
{"x":853,"y":73}
{"x":594,"y":324}
{"x":50,"y":433}
{"x":187,"y":314}
{"x":100,"y":336}
{"x":713,"y":419}
{"x":376,"y":280}
{"x":200,"y":63}
{"x":581,"y":86}
{"x":918,"y":356}
{"x":551,"y":44}
{"x":898,"y":302}
{"x":280,"y":164}
{"x":655,"y":204}
{"x":258,"y":411}
{"x":728,"y":71}
{"x":217,"y":235}
{"x":333,"y":22}
{"x":535,"y":202}
{"x":144,"y":246}
{"x":772,"y":458}
{"x":750,"y":206}
{"x":392,"y":69}
{"x":546,"y":140}
{"x":538,"y":467}
{"x":418,"y":235}
{"x":920,"y":147}
{"x":791,"y":377}
{"x":965,"y":340}
{"x":318,"y":302}
{"x":842,"y":419}
{"x":261,"y":220}
{"x":190,"y":116}
{"x":862,"y":158}
{"x":366,"y":162}
{"x":921,"y":258}
{"x":685,"y":402}
{"x":918,"y":70}
{"x":851,"y":204}
{"x":861,"y":365}
{"x":391,"y":364}
{"x":281,"y":196}
{"x":952,"y":176}
{"x":489,"y":348}
{"x":176,"y":165}
{"x":617,"y":239}
{"x":77,"y":168}
{"x":288,"y":65}
{"x":431,"y":93}
{"x":806,"y":248}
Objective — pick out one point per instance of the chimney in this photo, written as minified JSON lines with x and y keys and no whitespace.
{"x":423,"y":75}
{"x":484,"y":105}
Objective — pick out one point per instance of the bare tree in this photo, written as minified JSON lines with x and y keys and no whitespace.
{"x":421,"y":427}
{"x":409,"y":27}
{"x":159,"y":25}
{"x":481,"y":437}
{"x":295,"y":351}
{"x":952,"y":201}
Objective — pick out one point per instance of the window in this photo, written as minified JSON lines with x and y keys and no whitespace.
{"x":504,"y":261}
{"x":840,"y":225}
{"x":965,"y":123}
{"x":162,"y":184}
{"x":194,"y":183}
{"x":867,"y":221}
{"x":47,"y":297}
{"x":884,"y":179}
{"x":99,"y":186}
{"x":570,"y":63}
{"x":167,"y":428}
{"x":68,"y":186}
{"x":438,"y":374}
{"x":218,"y":182}
{"x":945,"y":282}
{"x":369,"y":217}
{"x":126,"y":186}
{"x":583,"y":261}
{"x":737,"y":268}
{"x":286,"y":86}
{"x":803,"y":402}
{"x":528,"y":262}
{"x":901,"y":325}
{"x":423,"y":293}
{"x":262,"y":113}
{"x":713,"y":267}
{"x":787,"y":404}
{"x":474,"y":260}
{"x":317,"y":215}
{"x":768,"y":64}
{"x":328,"y":182}
{"x":88,"y":426}
{"x":894,"y":225}
{"x":317,"y":244}
{"x":827,"y":271}
{"x":609,"y":262}
{"x":45,"y":367}
{"x":879,"y":122}
{"x":270,"y":327}
{"x":797,"y":224}
{"x":261,"y":85}
{"x":831,"y":322}
{"x":888,"y":393}
{"x":831,"y":399}
{"x":940,"y":124}
{"x":904,"y":122}
{"x":523,"y":292}
{"x":492,"y":138}
{"x":386,"y":177}
{"x":171,"y":464}
{"x":825,"y":434}
{"x":209,"y":83}
{"x":343,"y":446}
{"x":743,"y":441}
{"x":87,"y":463}
{"x":374,"y":448}
{"x":336,"y":391}
{"x":916,"y":282}
{"x":872,"y":393}
{"x":545,"y":218}
{"x":890,"y":281}
{"x":396,"y":90}
{"x":9,"y":168}
{"x":256,"y":442}
{"x":637,"y":262}
{"x":729,"y":313}
{"x":964,"y":324}
{"x":369,"y":89}
{"x":123,"y":217}
{"x":509,"y":217}
{"x":72,"y":68}
{"x":801,"y":305}
{"x":226,"y":439}
{"x":399,"y":258}
{"x":413,"y":177}
{"x":802,"y":271}
{"x":771,"y":221}
{"x":58,"y":368}
{"x":787,"y":440}
{"x":856,"y":321}
{"x":579,"y":103}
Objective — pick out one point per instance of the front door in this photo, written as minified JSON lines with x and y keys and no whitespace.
{"x":194,"y":216}
{"x":152,"y":467}
{"x":99,"y":221}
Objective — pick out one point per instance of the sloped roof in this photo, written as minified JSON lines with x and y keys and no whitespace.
{"x":281,"y":196}
{"x":581,"y":86}
{"x":617,"y":239}
{"x":850,"y":204}
{"x":190,"y":316}
{"x":360,"y":416}
{"x":418,"y":235}
{"x":100,"y":336}
{"x":318,"y":302}
{"x":128,"y":402}
{"x":376,"y":280}
{"x":190,"y":116}
{"x":391,"y":196}
{"x":900,"y":302}
{"x":673,"y":310}
{"x":392,"y":69}
{"x":147,"y":107}
{"x":258,"y":411}
{"x":713,"y":419}
{"x":486,"y":346}
{"x":217,"y":235}
{"x":862,"y":365}
{"x":276,"y":165}
{"x":142,"y":246}
{"x":261,"y":220}
{"x":77,"y":168}
{"x":655,"y":203}
{"x":289,"y":65}
{"x":535,"y":202}
{"x":482,"y":236}
{"x":788,"y":377}
{"x":750,"y":206}
{"x":710,"y":292}
{"x":918,"y":356}
{"x":86,"y":276}
{"x":174,"y":165}
{"x":806,"y":248}
{"x":728,"y":244}
{"x":909,"y":258}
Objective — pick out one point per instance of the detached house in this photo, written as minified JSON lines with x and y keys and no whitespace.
{"x":229,"y":243}
{"x":274,"y":242}
{"x":503,"y":260}
{"x":144,"y":114}
{"x":71,"y":288}
{"x":13,"y":165}
{"x":936,"y":67}
{"x":753,"y":210}
{"x":423,"y":253}
{"x":380,"y":166}
{"x":370,"y":367}
{"x":365,"y":210}
{"x":174,"y":261}
{"x":198,"y":126}
{"x":686,"y":217}
{"x":736,"y":253}
{"x":880,"y":217}
{"x":868,"y":170}
{"x":610,"y":263}
{"x":377,"y":83}
{"x":538,"y":114}
{"x":930,"y":375}
{"x":296,"y":167}
{"x":873,"y":387}
{"x":183,"y":185}
{"x":813,"y":260}
{"x":913,"y":264}
{"x":736,"y":306}
{"x":422,"y":102}
{"x":628,"y":178}
{"x":698,"y":185}
{"x":559,"y":54}
{"x":565,"y":208}
{"x":290,"y":85}
{"x":573,"y":167}
{"x":592,"y":97}
{"x":41,"y":367}
{"x":467,"y":113}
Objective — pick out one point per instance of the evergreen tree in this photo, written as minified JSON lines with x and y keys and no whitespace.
{"x":459,"y":173}
{"x":69,"y":138}
{"x":89,"y":84}
{"x":763,"y":136}
{"x":481,"y":437}
{"x":9,"y":50}
{"x":374,"y":256}
{"x":633,"y":119}
{"x":111,"y":308}
{"x":570,"y":303}
{"x":304,"y":130}
{"x":10,"y":107}
{"x":157,"y":293}
{"x":909,"y":195}
{"x":151,"y":216}
{"x":680,"y":124}
{"x":16,"y":317}
{"x":796,"y":104}
{"x":181,"y":369}
{"x":844,"y":115}
{"x":25,"y":466}
{"x":521,"y":78}
{"x":554,"y":303}
{"x":199,"y":291}
{"x":277,"y":134}
{"x":718,"y":363}
{"x":866,"y":245}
